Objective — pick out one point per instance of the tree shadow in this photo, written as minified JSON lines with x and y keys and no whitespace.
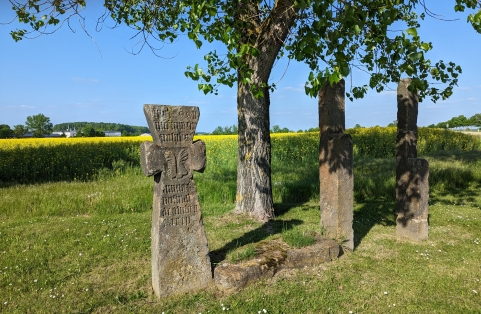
{"x":370,"y":214}
{"x":336,"y":152}
{"x":261,"y":233}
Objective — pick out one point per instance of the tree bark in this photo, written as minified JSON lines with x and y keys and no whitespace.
{"x":254,"y":189}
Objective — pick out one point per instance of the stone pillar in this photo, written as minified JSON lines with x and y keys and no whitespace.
{"x":335,"y":166}
{"x":180,"y":253}
{"x":412,"y":173}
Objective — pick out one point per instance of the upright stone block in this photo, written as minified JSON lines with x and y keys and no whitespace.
{"x":180,"y":253}
{"x":407,"y":129}
{"x":335,"y":166}
{"x":412,"y":173}
{"x":412,"y":202}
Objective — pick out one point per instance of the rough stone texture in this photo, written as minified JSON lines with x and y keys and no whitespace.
{"x":407,"y":129}
{"x":323,"y":251}
{"x":335,"y":166}
{"x":412,"y":173}
{"x":273,"y":257}
{"x":180,"y":253}
{"x":230,"y":278}
{"x":413,"y":208}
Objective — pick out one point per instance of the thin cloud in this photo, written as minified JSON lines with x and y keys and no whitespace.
{"x":294,"y":89}
{"x":21,"y":106}
{"x":81,"y":79}
{"x":388,"y":92}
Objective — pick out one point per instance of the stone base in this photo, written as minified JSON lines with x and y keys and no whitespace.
{"x":231,"y":278}
{"x":412,"y":229}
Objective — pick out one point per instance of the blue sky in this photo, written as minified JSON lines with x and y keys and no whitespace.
{"x":70,"y":77}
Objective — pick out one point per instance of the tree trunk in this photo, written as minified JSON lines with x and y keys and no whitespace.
{"x":254,"y":190}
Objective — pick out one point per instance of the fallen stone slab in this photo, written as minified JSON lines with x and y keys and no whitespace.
{"x":273,"y":256}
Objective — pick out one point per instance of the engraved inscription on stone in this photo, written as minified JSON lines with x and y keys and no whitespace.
{"x":180,"y":260}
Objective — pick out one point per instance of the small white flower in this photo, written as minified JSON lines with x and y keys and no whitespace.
{"x":80,"y":254}
{"x":35,"y":280}
{"x":475,"y":292}
{"x":264,"y":310}
{"x":394,"y":304}
{"x":385,"y":292}
{"x":5,"y":303}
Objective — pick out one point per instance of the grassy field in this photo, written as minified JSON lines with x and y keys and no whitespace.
{"x":84,"y":247}
{"x":477,"y":134}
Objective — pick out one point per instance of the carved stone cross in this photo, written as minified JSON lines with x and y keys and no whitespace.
{"x":180,"y":253}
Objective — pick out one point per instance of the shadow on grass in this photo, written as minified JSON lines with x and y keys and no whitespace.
{"x":458,"y":155}
{"x":267,"y":229}
{"x":369,"y":214}
{"x":288,"y":193}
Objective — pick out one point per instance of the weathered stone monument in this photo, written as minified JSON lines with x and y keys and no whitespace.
{"x":412,"y":173}
{"x":180,"y":254}
{"x":335,"y":166}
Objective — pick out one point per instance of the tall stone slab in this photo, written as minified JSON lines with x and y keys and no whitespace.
{"x":335,"y":166}
{"x":412,"y":173}
{"x":180,"y":253}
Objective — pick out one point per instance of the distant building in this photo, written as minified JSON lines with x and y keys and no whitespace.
{"x":67,"y":133}
{"x":54,"y":134}
{"x":113,"y":133}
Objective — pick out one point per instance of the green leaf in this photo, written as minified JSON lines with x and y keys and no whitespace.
{"x":426,"y":46}
{"x":412,"y":31}
{"x":415,"y":56}
{"x":357,"y":29}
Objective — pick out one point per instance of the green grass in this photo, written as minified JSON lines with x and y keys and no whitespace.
{"x":84,"y":247}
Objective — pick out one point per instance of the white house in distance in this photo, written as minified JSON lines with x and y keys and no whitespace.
{"x":67,"y":133}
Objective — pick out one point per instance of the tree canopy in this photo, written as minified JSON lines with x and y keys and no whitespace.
{"x":5,"y":131}
{"x":39,"y":125}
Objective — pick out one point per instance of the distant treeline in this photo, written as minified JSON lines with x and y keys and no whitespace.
{"x":229,"y":130}
{"x":459,"y":121}
{"x":123,"y":128}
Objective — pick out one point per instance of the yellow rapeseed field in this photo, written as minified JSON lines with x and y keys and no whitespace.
{"x":54,"y":159}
